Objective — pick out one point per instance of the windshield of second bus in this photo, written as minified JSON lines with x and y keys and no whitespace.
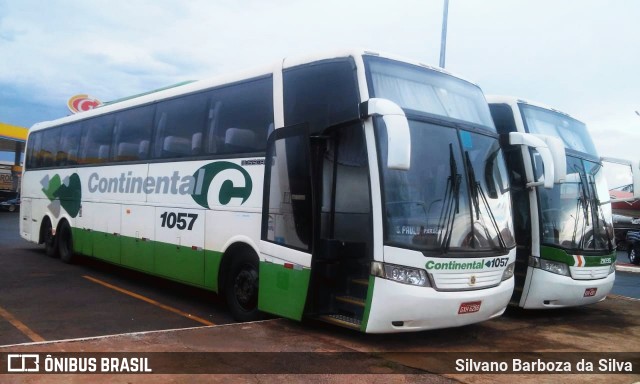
{"x":576,"y":215}
{"x":573,"y":133}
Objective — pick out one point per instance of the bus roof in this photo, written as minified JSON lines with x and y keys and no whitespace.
{"x":198,"y":85}
{"x":502,"y":99}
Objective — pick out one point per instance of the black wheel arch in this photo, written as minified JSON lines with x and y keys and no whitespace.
{"x":232,"y":252}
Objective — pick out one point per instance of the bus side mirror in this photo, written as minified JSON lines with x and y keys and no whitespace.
{"x":399,"y":136}
{"x":556,"y":147}
{"x":635,"y":175}
{"x":531,"y":141}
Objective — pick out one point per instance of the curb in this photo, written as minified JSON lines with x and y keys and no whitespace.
{"x":628,"y":268}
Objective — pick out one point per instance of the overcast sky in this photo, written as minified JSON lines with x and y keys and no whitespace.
{"x":579,"y":56}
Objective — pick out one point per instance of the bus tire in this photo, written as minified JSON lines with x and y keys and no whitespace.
{"x":241,"y":288}
{"x":49,"y":240}
{"x":65,"y":243}
{"x":634,"y":256}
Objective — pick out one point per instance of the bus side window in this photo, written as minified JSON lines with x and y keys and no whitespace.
{"x":133,"y":130}
{"x":50,"y":142}
{"x":97,"y":137}
{"x":33,"y":153}
{"x":180,"y":123}
{"x":322,"y":94}
{"x":69,"y":145}
{"x":503,"y":118}
{"x":240,"y":117}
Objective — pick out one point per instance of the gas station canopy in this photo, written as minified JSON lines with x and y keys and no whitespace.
{"x":11,"y":136}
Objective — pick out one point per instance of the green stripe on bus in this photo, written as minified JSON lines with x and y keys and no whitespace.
{"x":555,"y":254}
{"x":367,"y":307}
{"x":283,"y":291}
{"x":181,"y":263}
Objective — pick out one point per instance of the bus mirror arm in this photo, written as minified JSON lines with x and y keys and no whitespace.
{"x":531,"y":141}
{"x":398,"y":133}
{"x":635,"y":175}
{"x":558,"y":153}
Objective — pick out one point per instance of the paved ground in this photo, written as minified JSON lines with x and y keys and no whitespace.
{"x":94,"y":298}
{"x":51,"y":300}
{"x":591,"y":332}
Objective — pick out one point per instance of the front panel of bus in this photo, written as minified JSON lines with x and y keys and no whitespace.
{"x":577,"y":257}
{"x":448,"y":242}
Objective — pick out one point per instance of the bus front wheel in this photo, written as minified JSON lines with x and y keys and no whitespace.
{"x":241,"y":288}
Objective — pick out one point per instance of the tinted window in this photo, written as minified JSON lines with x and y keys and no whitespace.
{"x":321,"y":94}
{"x":503,"y":118}
{"x":287,"y":200}
{"x":50,"y":141}
{"x":573,"y":133}
{"x":240,"y":118}
{"x":33,"y":153}
{"x":69,"y":145}
{"x":179,"y":125}
{"x":422,"y":89}
{"x":132,"y":132}
{"x":97,"y":137}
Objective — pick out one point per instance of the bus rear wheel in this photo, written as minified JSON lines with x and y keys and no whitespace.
{"x":241,"y":288}
{"x":49,"y":240}
{"x":65,"y":243}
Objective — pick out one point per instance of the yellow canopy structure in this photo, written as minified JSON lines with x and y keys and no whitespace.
{"x":11,"y":136}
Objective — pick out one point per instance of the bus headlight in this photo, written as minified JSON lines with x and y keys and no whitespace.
{"x":549,"y":266}
{"x":401,"y":274}
{"x":612,"y":269}
{"x":508,"y":273}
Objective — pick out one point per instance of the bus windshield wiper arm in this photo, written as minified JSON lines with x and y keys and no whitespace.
{"x":584,"y":202}
{"x":595,"y":201}
{"x":477,"y":194}
{"x":451,"y":204}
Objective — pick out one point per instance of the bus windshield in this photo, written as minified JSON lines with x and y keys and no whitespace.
{"x":575,"y":214}
{"x":416,"y":88}
{"x":573,"y":133}
{"x":454,"y":198}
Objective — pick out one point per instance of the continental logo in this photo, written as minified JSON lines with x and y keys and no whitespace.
{"x":196,"y":185}
{"x":454,"y":265}
{"x":228,"y":190}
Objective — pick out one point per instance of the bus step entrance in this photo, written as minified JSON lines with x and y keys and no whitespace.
{"x":351,"y":300}
{"x":341,"y":320}
{"x":362,"y":282}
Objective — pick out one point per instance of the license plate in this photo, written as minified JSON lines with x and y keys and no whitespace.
{"x":590,"y":292}
{"x":469,"y":307}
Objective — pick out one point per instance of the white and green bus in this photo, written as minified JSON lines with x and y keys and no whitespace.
{"x":355,"y":188}
{"x":566,"y":248}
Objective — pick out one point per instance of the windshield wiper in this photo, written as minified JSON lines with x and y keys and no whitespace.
{"x":595,"y":201}
{"x":451,"y":204}
{"x":583,"y":201}
{"x":477,"y":195}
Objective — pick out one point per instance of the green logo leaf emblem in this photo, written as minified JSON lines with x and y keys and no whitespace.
{"x":69,"y":194}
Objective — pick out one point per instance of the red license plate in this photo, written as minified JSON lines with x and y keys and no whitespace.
{"x":470,"y":307}
{"x":590,"y":292}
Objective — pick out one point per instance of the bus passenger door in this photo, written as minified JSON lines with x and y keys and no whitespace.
{"x":287,"y":224}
